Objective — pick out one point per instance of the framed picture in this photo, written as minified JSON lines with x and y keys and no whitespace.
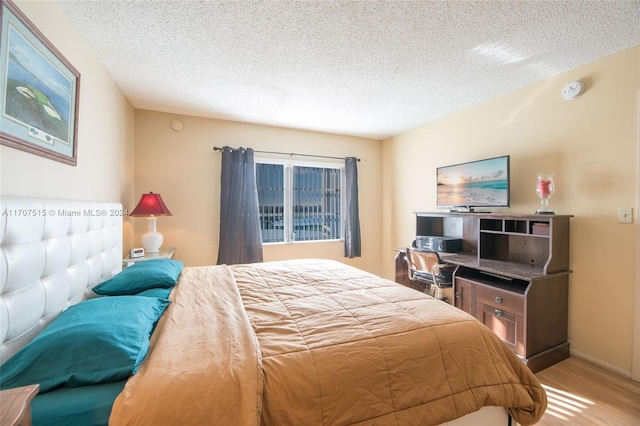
{"x":40,"y":91}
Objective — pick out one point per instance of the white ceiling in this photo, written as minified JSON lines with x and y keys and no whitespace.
{"x":364,"y":68}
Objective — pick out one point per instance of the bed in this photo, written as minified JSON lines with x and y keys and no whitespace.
{"x":277,"y":343}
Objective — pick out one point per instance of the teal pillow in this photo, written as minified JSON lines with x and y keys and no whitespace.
{"x":162,"y":293}
{"x":100,"y":340}
{"x":156,"y":273}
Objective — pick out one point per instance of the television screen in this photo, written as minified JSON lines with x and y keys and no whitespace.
{"x":482,"y":183}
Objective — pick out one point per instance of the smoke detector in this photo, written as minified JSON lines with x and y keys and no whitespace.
{"x":573,"y":90}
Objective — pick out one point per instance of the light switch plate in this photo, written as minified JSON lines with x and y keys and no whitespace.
{"x":625,"y":215}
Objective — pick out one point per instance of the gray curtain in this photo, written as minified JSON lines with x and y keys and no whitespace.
{"x":352,"y":226}
{"x":240,"y":239}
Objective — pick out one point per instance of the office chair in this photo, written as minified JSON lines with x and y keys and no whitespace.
{"x":434,"y":277}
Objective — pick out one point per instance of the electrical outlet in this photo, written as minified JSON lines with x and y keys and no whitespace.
{"x":625,"y":215}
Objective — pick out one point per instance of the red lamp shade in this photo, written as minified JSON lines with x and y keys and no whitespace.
{"x":151,"y":205}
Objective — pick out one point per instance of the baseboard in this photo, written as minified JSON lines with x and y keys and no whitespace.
{"x":612,"y":368}
{"x":544,"y":359}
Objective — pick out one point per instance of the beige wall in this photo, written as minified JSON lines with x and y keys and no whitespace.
{"x":105,"y":133}
{"x":591,"y":143}
{"x":184,"y":169}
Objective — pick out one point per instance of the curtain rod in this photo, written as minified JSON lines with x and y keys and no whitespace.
{"x":217,"y":148}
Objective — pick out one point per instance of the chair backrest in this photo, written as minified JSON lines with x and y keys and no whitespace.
{"x":422,"y":261}
{"x":426,"y":266}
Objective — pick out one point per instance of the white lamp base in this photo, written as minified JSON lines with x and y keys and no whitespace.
{"x":152,"y":239}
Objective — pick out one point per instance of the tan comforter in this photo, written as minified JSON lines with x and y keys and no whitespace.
{"x":203,"y":367}
{"x":336,"y":346}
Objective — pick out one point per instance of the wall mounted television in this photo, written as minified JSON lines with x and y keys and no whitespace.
{"x":476,"y":184}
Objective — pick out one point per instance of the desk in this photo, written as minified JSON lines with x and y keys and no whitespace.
{"x":510,"y":275}
{"x":15,"y":405}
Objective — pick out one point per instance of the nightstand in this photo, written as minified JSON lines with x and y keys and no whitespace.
{"x":162,"y":254}
{"x":15,"y":405}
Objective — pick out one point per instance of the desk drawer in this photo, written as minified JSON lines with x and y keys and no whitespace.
{"x":501,"y":299}
{"x":506,"y":325}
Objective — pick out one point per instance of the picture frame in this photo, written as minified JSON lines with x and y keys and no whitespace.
{"x":40,"y":91}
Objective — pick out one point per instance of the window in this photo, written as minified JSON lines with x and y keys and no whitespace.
{"x":299,"y":202}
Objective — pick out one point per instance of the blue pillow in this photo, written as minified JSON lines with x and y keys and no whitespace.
{"x":100,"y":340}
{"x":156,"y":273}
{"x":162,"y":293}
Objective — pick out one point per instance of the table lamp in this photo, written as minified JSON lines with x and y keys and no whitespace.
{"x":151,"y":205}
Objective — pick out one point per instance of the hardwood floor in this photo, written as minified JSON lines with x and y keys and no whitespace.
{"x":581,"y":393}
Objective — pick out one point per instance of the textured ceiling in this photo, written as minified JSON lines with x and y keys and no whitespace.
{"x":366,"y":68}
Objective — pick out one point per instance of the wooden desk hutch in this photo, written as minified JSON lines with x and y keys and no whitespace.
{"x":512,"y":274}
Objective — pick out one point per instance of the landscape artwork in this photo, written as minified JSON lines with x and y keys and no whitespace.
{"x":476,"y":184}
{"x":40,"y":88}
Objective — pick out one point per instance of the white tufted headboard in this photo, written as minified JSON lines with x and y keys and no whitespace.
{"x":52,"y":252}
